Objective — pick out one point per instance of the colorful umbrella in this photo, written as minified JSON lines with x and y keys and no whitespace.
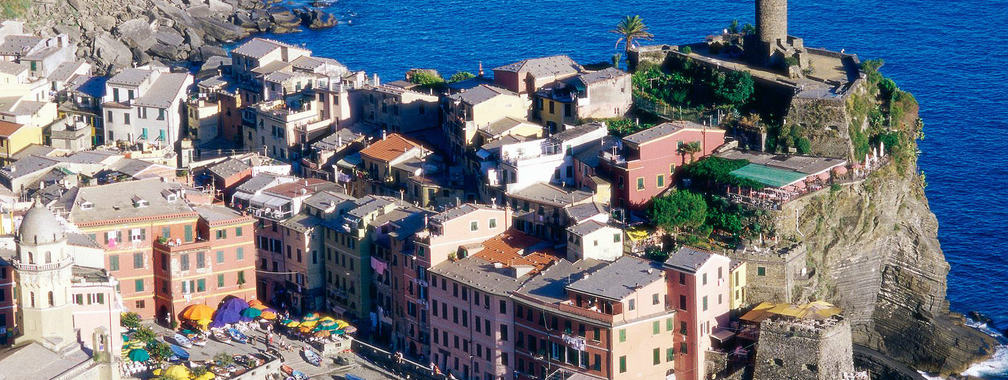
{"x":234,"y":304}
{"x":257,"y":304}
{"x":292,"y":324}
{"x":251,"y":313}
{"x":225,"y":316}
{"x":326,"y":325}
{"x":266,"y":314}
{"x":177,"y":372}
{"x":309,"y":324}
{"x":197,"y":312}
{"x":322,"y":334}
{"x":311,"y":317}
{"x":136,"y":344}
{"x":342,"y":323}
{"x":125,"y":337}
{"x":139,"y":355}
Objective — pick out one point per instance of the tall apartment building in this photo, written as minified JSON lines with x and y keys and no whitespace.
{"x":471,"y":314}
{"x":145,"y":104}
{"x":604,"y":320}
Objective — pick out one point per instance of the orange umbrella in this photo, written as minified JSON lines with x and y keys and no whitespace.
{"x":256,"y":304}
{"x":197,"y":312}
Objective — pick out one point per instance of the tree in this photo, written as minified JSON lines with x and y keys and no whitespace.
{"x":460,"y":76}
{"x":130,"y":320}
{"x":691,"y":149}
{"x":680,"y":209}
{"x":144,"y":334}
{"x":735,"y":88}
{"x":748,"y":29}
{"x":427,"y":80}
{"x":733,"y":28}
{"x":630,"y":29}
{"x":615,"y":59}
{"x":159,"y":350}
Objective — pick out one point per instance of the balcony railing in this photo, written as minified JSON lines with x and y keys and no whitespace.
{"x":67,"y":261}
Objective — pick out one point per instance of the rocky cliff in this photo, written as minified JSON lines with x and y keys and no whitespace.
{"x":873,"y":250}
{"x":120,"y":33}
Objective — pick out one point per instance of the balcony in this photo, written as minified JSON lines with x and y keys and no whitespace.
{"x":177,"y":245}
{"x":67,"y":261}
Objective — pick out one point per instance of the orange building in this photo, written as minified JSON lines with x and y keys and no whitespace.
{"x":219,"y":262}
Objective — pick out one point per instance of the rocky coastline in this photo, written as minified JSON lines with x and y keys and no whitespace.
{"x":116,"y":34}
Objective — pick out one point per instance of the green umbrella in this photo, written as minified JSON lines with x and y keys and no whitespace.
{"x":139,"y":355}
{"x":326,"y":325}
{"x":311,"y":317}
{"x":285,"y":321}
{"x":125,"y":337}
{"x":251,"y":312}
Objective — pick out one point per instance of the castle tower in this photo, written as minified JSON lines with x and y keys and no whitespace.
{"x":771,"y":21}
{"x":45,"y":269}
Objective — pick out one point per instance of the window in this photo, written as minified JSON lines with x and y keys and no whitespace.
{"x":220,"y":257}
{"x":240,"y":253}
{"x":669,"y":324}
{"x":682,"y":347}
{"x":656,"y":356}
{"x":161,"y":114}
{"x":655,"y":327}
{"x":114,"y":262}
{"x":682,"y":302}
{"x":622,"y":363}
{"x":238,"y":231}
{"x":188,"y":233}
{"x":682,"y":279}
{"x":704,"y":303}
{"x":503,"y":332}
{"x":241,"y":277}
{"x":138,"y":260}
{"x":616,"y":238}
{"x":760,"y":271}
{"x":622,"y":335}
{"x":640,"y":183}
{"x":184,"y":261}
{"x":126,"y":118}
{"x":703,"y":279}
{"x":139,"y":285}
{"x":200,"y":260}
{"x":503,"y":307}
{"x":633,"y":304}
{"x":201,"y":285}
{"x":493,"y":223}
{"x":654,"y":299}
{"x":220,"y":280}
{"x":473,"y":226}
{"x":672,"y":169}
{"x":140,"y":304}
{"x":669,"y":354}
{"x":661,"y":181}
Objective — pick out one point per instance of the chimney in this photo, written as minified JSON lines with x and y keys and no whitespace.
{"x":383,"y":134}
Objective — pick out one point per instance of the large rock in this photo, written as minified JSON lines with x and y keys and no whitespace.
{"x":136,"y":33}
{"x":284,"y":19}
{"x":219,"y":7}
{"x":220,"y":30}
{"x":108,"y":50}
{"x":317,"y":19}
{"x":170,"y":45}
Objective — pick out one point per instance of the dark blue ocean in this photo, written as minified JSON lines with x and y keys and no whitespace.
{"x":952,"y":55}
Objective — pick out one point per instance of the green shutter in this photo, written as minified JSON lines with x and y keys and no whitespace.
{"x":622,"y":364}
{"x":114,"y":262}
{"x":656,"y":353}
{"x":669,"y":354}
{"x":139,"y":285}
{"x":220,"y":280}
{"x":669,"y":325}
{"x":655,"y":327}
{"x":240,"y":253}
{"x":622,"y":335}
{"x":188,"y":234}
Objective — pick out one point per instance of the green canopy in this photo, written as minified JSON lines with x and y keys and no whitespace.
{"x":139,"y":355}
{"x":251,"y":312}
{"x":767,"y":175}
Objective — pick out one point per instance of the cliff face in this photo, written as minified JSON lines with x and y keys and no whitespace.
{"x":874,"y":251}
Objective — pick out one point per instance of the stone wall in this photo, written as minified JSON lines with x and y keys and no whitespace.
{"x":803,"y":349}
{"x":783,"y":269}
{"x":824,"y":122}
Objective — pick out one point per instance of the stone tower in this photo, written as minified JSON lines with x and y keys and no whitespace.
{"x":45,"y":270}
{"x":804,"y":349}
{"x":771,"y":21}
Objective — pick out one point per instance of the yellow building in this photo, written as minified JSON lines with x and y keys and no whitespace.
{"x":737,"y":283}
{"x":14,"y":137}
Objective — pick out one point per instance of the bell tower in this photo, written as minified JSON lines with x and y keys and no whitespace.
{"x":45,"y":272}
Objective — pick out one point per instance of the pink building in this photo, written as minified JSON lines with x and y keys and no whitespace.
{"x":643,"y":165}
{"x":472,"y":318}
{"x":97,"y":307}
{"x":699,"y":289}
{"x":444,"y":234}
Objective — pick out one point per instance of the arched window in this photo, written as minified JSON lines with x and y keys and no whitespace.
{"x":31,"y":258}
{"x":31,"y":296}
{"x":48,"y":257}
{"x":51,"y":303}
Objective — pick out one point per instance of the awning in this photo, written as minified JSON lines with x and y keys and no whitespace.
{"x":350,"y":161}
{"x":722,"y":335}
{"x":769,"y":176}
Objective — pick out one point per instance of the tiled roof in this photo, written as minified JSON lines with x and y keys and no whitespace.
{"x":389,"y":148}
{"x":214,"y":213}
{"x":130,"y":77}
{"x":550,"y":285}
{"x":619,"y":279}
{"x":661,"y":130}
{"x":164,"y":90}
{"x":300,"y":187}
{"x":601,"y":75}
{"x":544,"y":66}
{"x":480,"y":94}
{"x":116,"y":201}
{"x":511,"y":247}
{"x":550,"y":194}
{"x":258,"y":47}
{"x":457,"y":211}
{"x":229,"y":167}
{"x":586,"y":227}
{"x":11,"y":68}
{"x":687,"y":259}
{"x":7,"y":128}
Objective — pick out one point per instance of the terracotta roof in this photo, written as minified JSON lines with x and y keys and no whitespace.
{"x":389,"y":148}
{"x":508,"y":249}
{"x":7,"y":128}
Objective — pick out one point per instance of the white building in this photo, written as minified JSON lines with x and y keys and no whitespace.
{"x":145,"y":104}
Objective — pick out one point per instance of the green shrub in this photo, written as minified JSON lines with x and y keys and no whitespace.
{"x":460,"y":76}
{"x":681,"y":209}
{"x":685,"y":49}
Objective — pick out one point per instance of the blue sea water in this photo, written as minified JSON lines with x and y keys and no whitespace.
{"x":951,"y":55}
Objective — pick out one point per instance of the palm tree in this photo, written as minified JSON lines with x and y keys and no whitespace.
{"x":631,"y":28}
{"x":691,"y":149}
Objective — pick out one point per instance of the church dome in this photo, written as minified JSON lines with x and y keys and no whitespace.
{"x":40,"y":226}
